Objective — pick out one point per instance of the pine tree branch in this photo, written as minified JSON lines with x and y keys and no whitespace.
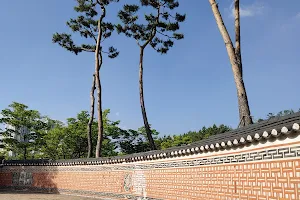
{"x":169,"y":15}
{"x":155,"y":48}
{"x":87,"y":50}
{"x":100,"y":2}
{"x":137,"y":41}
{"x":154,"y":29}
{"x":92,"y":34}
{"x":105,"y":52}
{"x":163,"y":5}
{"x":170,"y":37}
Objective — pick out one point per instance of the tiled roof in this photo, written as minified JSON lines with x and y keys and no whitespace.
{"x":274,"y":127}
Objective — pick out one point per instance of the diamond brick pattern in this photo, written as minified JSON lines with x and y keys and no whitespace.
{"x":264,"y":180}
{"x":269,"y":174}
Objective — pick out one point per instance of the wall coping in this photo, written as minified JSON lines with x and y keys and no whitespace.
{"x":264,"y":130}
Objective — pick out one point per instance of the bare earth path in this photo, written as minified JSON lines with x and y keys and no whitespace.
{"x":40,"y":197}
{"x":18,"y":195}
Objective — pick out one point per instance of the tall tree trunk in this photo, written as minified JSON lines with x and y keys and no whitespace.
{"x":237,"y":26}
{"x":90,"y":123}
{"x":146,"y":124}
{"x":25,"y":147}
{"x":98,"y":64}
{"x":141,"y":85}
{"x":244,"y":110}
{"x":100,"y":121}
{"x":25,"y":152}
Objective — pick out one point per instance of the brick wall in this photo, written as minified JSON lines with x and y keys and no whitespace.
{"x":259,"y":171}
{"x":5,"y":178}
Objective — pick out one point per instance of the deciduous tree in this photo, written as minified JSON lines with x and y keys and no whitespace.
{"x":69,"y":140}
{"x":24,"y":129}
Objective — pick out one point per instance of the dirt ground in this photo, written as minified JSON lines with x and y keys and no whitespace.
{"x":9,"y":195}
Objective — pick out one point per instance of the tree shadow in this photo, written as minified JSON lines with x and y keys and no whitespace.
{"x":28,"y":176}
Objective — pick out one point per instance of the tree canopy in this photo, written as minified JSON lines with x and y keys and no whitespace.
{"x":86,"y":25}
{"x":158,"y":28}
{"x":48,"y":138}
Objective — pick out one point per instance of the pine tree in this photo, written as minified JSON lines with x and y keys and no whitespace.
{"x":91,"y":25}
{"x":158,"y":29}
{"x":235,"y":58}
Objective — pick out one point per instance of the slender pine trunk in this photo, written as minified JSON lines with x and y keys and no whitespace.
{"x":100,"y":121}
{"x":237,"y":26}
{"x":25,"y":152}
{"x":244,"y":110}
{"x":90,"y":123}
{"x":98,"y":64}
{"x":141,"y":87}
{"x":25,"y":147}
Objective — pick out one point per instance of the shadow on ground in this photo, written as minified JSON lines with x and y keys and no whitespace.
{"x":24,"y":194}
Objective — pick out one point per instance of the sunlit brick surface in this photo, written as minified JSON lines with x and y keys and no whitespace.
{"x":272,"y":173}
{"x":270,"y":180}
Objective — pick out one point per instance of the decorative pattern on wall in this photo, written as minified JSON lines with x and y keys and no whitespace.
{"x":238,"y":176}
{"x":263,"y":180}
{"x":22,"y":178}
{"x":127,"y":182}
{"x":262,"y":155}
{"x":139,"y":183}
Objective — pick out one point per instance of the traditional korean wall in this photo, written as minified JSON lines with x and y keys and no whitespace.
{"x":266,"y":169}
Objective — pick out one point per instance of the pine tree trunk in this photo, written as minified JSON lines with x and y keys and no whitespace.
{"x":25,"y":147}
{"x":90,"y":123}
{"x":25,"y":153}
{"x":245,"y":114}
{"x":98,"y":64}
{"x":141,"y":87}
{"x":237,"y":23}
{"x":100,"y":121}
{"x":244,"y":110}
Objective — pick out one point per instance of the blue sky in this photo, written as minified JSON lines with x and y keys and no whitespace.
{"x":188,"y":88}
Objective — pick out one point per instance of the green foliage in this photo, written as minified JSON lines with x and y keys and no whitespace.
{"x":132,"y":141}
{"x":135,"y":141}
{"x":3,"y":153}
{"x":69,"y":141}
{"x":111,"y":134}
{"x":176,"y":140}
{"x":192,"y":136}
{"x":86,"y":25}
{"x":158,"y":28}
{"x":55,"y":144}
{"x":48,"y":138}
{"x":207,"y":132}
{"x":24,"y":130}
{"x":279,"y":114}
{"x":285,"y":112}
